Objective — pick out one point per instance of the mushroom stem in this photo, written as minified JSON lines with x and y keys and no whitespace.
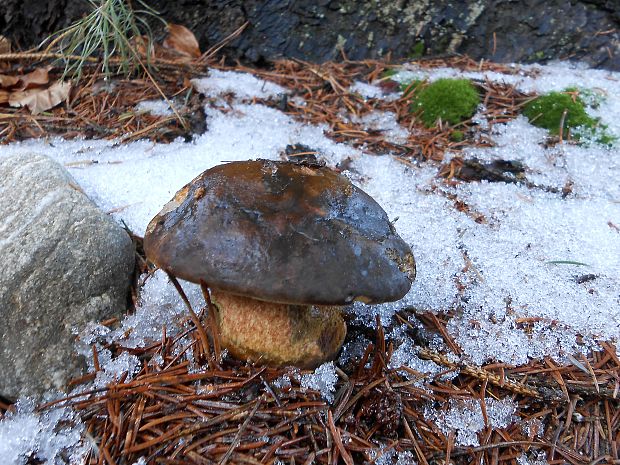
{"x":278,"y":334}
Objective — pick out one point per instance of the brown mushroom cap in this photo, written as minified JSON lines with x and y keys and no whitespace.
{"x":281,"y":232}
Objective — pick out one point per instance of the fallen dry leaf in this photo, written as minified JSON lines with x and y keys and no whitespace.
{"x":39,"y":100}
{"x":4,"y":96}
{"x":141,"y":45}
{"x":37,"y":78}
{"x":5,"y":45}
{"x":182,"y":40}
{"x":8,"y":81}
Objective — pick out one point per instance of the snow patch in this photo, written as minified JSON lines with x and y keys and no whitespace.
{"x":464,"y":417}
{"x":154,"y":107}
{"x":242,"y":85}
{"x":323,"y":380}
{"x":50,"y":437}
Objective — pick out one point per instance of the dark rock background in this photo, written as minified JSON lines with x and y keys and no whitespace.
{"x":498,"y":30}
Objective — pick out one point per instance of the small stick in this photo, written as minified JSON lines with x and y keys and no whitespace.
{"x":412,"y":438}
{"x":561,"y":129}
{"x":271,"y":392}
{"x":215,"y":331}
{"x":201,"y":331}
{"x":338,"y":439}
{"x":237,"y":437}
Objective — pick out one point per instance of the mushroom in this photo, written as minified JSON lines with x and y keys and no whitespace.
{"x":281,"y":246}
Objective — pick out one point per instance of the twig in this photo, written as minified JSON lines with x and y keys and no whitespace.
{"x":237,"y":437}
{"x":201,"y":331}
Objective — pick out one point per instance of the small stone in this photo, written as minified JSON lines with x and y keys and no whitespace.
{"x":64,"y":263}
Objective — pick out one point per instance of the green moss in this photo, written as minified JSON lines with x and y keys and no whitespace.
{"x":452,"y":100}
{"x":457,"y":136}
{"x":547,"y":111}
{"x":604,"y":138}
{"x":566,"y":109}
{"x":409,"y":88}
{"x":591,"y":98}
{"x":417,"y":51}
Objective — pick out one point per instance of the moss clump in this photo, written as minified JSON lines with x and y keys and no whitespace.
{"x":548,"y":110}
{"x":452,"y":100}
{"x":591,"y":98}
{"x":457,"y":136}
{"x":417,"y":51}
{"x":566,"y":109}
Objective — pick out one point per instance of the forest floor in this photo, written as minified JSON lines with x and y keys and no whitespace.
{"x":504,"y":351}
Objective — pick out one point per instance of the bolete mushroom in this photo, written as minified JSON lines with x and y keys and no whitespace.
{"x":281,"y":245}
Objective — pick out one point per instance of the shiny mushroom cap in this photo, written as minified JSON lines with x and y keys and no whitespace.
{"x":281,"y":232}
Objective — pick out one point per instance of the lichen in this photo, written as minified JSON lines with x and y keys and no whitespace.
{"x":451,"y":100}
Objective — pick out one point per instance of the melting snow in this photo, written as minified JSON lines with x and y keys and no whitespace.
{"x":51,"y":437}
{"x":323,"y":380}
{"x":402,"y":458}
{"x":406,"y":355}
{"x":373,"y":91}
{"x":155,"y":107}
{"x":385,"y":122}
{"x":533,"y":458}
{"x":160,"y":306}
{"x":243,"y":85}
{"x":465,"y":418}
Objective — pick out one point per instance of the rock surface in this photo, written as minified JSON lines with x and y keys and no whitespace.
{"x":498,"y":30}
{"x":64,"y":263}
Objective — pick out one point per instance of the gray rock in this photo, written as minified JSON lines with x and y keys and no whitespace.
{"x":64,"y":263}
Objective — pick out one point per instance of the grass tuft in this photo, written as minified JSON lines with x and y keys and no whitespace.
{"x":113,"y":32}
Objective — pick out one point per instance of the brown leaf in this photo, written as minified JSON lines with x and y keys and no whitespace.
{"x":4,"y":96}
{"x":182,"y":40}
{"x":39,"y":77}
{"x":8,"y":81}
{"x":5,"y":45}
{"x":39,"y":100}
{"x":142,"y":45}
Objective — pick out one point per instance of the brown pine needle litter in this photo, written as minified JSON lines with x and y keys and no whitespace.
{"x":328,"y":100}
{"x":107,"y":108}
{"x":230,"y":412}
{"x":238,"y":413}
